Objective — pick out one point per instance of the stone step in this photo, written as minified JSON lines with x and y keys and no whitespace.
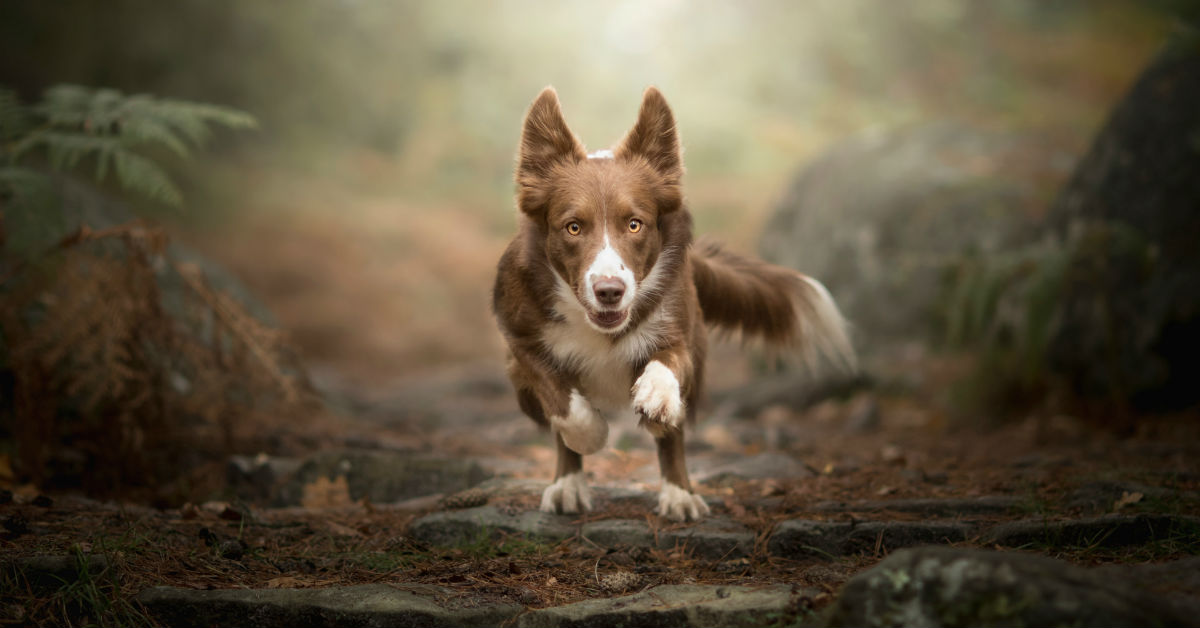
{"x":425,"y":605}
{"x":699,"y":606}
{"x":363,"y":605}
{"x":721,"y":538}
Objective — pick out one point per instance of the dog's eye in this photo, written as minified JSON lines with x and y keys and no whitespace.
{"x":573,"y":228}
{"x":635,"y":225}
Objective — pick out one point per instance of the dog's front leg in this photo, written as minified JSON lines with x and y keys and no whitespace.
{"x":578,"y":429}
{"x":658,"y":398}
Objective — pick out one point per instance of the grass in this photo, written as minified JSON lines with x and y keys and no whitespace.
{"x":89,"y":597}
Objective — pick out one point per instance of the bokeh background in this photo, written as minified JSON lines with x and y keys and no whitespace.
{"x":368,"y":209}
{"x":366,"y":212}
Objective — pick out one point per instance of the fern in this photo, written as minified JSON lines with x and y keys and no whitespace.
{"x":75,"y":123}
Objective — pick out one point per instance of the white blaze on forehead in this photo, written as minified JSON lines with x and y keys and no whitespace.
{"x":608,"y":263}
{"x":601,"y":154}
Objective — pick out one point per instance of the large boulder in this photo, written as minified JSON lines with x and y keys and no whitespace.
{"x":937,"y":586}
{"x":1130,"y":305}
{"x":882,"y":217}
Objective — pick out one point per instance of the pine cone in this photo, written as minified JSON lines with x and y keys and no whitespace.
{"x":620,"y":581}
{"x":469,"y":498}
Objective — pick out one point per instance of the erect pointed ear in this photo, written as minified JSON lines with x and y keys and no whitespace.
{"x":545,"y":141}
{"x":653,"y":138}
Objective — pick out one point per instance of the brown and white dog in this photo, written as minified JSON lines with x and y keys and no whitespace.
{"x":605,"y":302}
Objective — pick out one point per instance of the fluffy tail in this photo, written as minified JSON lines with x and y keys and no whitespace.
{"x":779,"y":305}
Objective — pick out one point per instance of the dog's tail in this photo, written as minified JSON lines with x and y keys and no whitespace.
{"x":783,"y":307}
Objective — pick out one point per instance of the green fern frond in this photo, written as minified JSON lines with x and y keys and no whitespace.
{"x":75,"y":123}
{"x":142,"y":175}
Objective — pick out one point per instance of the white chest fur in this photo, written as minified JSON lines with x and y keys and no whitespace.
{"x":605,"y":367}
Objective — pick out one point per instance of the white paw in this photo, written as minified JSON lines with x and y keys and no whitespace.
{"x":656,"y":399}
{"x":568,"y":495}
{"x":583,"y":430}
{"x":678,"y":504}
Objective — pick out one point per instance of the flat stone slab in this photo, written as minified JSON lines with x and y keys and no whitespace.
{"x":942,"y":586}
{"x":364,"y":605}
{"x":381,"y":476}
{"x":1106,"y":531}
{"x":458,"y":527}
{"x":798,"y":538}
{"x":988,"y":505}
{"x":713,"y":538}
{"x":700,"y":606}
{"x":756,"y":467}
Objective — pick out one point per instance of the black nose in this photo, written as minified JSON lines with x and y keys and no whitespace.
{"x":609,"y":290}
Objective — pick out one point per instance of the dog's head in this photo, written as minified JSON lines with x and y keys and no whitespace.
{"x":604,"y":219}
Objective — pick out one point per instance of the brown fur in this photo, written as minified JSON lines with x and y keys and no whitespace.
{"x":623,"y":217}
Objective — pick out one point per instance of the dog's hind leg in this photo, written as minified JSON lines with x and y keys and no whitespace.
{"x":569,"y":493}
{"x":676,"y":500}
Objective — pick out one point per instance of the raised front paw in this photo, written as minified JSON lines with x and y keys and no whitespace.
{"x":657,"y":401}
{"x":568,"y":495}
{"x":679,"y":504}
{"x":583,"y":430}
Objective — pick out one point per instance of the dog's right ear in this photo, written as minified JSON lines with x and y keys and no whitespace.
{"x":546,"y":142}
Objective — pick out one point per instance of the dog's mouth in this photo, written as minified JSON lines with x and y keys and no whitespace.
{"x":608,"y":319}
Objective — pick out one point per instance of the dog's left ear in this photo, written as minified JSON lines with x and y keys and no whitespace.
{"x":654,"y":139}
{"x":546,"y":142}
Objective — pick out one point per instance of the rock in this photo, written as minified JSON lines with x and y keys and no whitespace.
{"x":881,"y":217}
{"x":936,"y":586}
{"x":714,"y":538}
{"x":382,"y":476}
{"x":929,"y":507}
{"x":1106,"y":531}
{"x":681,"y":605}
{"x":756,"y":467}
{"x":460,"y":527}
{"x":797,"y":538}
{"x":364,"y":605}
{"x":1129,"y":311}
{"x":613,"y":533}
{"x":257,"y":478}
{"x":864,"y":415}
{"x":1102,"y":496}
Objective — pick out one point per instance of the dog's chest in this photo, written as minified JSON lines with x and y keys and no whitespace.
{"x":605,"y":368}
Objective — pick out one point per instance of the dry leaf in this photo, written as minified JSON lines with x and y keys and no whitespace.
{"x":188,"y":511}
{"x":326,"y":493}
{"x":338,"y":529}
{"x":283,"y":582}
{"x":1127,"y":499}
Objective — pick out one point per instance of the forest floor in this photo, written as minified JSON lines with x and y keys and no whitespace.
{"x":847,"y":465}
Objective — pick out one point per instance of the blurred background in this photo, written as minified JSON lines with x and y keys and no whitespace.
{"x":909,"y":154}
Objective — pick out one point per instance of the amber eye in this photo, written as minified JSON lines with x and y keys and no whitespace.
{"x":573,"y":228}
{"x":635,"y":225}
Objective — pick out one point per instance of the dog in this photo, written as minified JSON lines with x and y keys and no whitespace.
{"x":605,"y":302}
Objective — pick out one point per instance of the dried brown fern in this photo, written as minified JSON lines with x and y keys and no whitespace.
{"x":140,"y":389}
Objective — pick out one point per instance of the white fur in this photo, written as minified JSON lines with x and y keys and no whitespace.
{"x":656,"y":395}
{"x":583,"y":430}
{"x":678,"y":504}
{"x":569,"y":494}
{"x":823,"y":330}
{"x":605,"y":365}
{"x":608,"y":263}
{"x":603,"y":153}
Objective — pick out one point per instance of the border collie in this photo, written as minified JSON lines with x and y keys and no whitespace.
{"x":605,"y":302}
